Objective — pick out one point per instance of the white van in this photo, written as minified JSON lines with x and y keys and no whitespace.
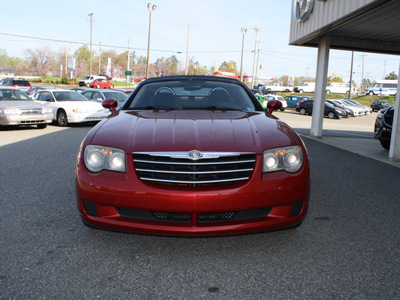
{"x":305,"y":87}
{"x":338,"y":88}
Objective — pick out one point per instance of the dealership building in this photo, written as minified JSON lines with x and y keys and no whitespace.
{"x":353,"y":25}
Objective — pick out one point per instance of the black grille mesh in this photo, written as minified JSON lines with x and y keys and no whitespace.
{"x":187,"y":217}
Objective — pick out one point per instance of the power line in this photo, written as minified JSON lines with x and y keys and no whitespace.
{"x":81,"y":43}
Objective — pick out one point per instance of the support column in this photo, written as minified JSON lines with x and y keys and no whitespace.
{"x":320,"y":87}
{"x":394,"y":151}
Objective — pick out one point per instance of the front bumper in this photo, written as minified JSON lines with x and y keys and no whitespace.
{"x":122,"y":202}
{"x":26,"y":119}
{"x":74,"y":117}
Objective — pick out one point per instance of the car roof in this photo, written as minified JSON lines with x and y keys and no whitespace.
{"x":192,"y":77}
{"x":4,"y":87}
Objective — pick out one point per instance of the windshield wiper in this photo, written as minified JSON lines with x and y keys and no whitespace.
{"x":155,"y":107}
{"x":221,"y":107}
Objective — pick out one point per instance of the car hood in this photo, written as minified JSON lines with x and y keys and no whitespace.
{"x":20,"y":104}
{"x":234,"y":131}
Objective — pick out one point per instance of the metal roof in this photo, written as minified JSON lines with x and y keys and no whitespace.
{"x":372,"y":27}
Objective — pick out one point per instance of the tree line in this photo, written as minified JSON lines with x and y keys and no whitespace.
{"x":44,"y":62}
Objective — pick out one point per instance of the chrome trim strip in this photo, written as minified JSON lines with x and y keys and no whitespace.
{"x":185,"y":154}
{"x":195,"y":173}
{"x":195,"y":182}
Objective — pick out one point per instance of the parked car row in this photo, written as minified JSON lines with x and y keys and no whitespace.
{"x":100,"y":81}
{"x":335,"y":109}
{"x":263,"y":99}
{"x":330,"y":111}
{"x":61,"y":106}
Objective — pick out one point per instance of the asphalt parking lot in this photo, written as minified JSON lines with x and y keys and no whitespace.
{"x":346,"y":248}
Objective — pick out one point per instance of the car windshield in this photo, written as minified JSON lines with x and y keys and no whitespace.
{"x":69,"y":96}
{"x":120,"y":97}
{"x":192,"y":95}
{"x":13,"y":95}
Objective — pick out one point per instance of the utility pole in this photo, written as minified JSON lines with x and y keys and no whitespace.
{"x":255,"y":57}
{"x":362,"y":75}
{"x":258,"y":56}
{"x":244,"y":30}
{"x":91,"y":53}
{"x":187,"y":51}
{"x":66,"y":60}
{"x":100,"y":58}
{"x":129,"y":56}
{"x":384,"y":70}
{"x":351,"y":74}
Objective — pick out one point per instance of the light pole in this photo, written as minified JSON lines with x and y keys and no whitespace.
{"x":150,"y":8}
{"x":91,"y":53}
{"x":255,"y":56}
{"x":244,"y":30}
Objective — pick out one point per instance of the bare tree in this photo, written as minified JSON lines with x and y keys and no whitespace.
{"x":41,"y":60}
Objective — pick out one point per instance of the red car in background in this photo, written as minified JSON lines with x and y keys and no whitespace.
{"x":192,"y":156}
{"x":101,"y":83}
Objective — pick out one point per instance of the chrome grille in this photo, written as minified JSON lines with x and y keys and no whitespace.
{"x":179,"y":168}
{"x":31,"y":111}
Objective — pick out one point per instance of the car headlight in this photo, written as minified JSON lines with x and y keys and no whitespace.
{"x":47,"y":110}
{"x":14,"y":111}
{"x":289,"y":159}
{"x":98,"y":158}
{"x":80,"y":110}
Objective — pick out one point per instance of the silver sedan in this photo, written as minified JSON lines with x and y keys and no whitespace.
{"x":17,"y":109}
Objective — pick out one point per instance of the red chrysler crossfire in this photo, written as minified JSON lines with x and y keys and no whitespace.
{"x":192,"y":156}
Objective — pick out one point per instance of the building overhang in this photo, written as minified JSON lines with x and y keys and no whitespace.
{"x":356,"y":25}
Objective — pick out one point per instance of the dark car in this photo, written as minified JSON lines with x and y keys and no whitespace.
{"x":21,"y":84}
{"x":292,"y":101}
{"x":336,"y":104}
{"x":380,"y":104}
{"x":383,"y":126}
{"x":306,"y":107}
{"x":192,"y":156}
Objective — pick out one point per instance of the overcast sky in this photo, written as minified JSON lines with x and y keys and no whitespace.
{"x":215,"y":33}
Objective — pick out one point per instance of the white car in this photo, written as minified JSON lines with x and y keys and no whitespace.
{"x":357,"y":110}
{"x":17,"y":109}
{"x":71,"y":107}
{"x":279,"y":98}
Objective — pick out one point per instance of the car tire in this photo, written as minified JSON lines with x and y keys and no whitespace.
{"x":385,"y":144}
{"x":98,"y":86}
{"x":371,"y":93}
{"x":328,"y":91}
{"x":303,"y":111}
{"x":331,"y":115}
{"x":301,"y":91}
{"x":41,"y":126}
{"x":88,"y":84}
{"x":62,"y":120}
{"x":282,"y":109}
{"x":111,"y":86}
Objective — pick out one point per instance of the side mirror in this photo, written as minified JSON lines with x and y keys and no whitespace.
{"x":111,"y":104}
{"x":273,"y":105}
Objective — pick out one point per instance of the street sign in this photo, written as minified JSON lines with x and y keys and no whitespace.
{"x":128,"y":73}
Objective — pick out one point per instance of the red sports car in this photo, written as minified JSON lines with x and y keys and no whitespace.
{"x":101,"y":83}
{"x":192,"y":156}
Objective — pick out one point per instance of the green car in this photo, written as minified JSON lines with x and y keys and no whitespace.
{"x":262,"y":100}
